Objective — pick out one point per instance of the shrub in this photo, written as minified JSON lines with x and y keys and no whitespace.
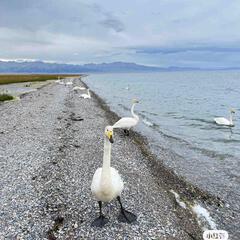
{"x":5,"y":97}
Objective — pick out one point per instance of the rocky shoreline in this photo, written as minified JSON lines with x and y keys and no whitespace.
{"x":50,"y":145}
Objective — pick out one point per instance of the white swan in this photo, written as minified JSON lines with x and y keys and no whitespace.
{"x":78,"y":88}
{"x":68,"y":83}
{"x":126,"y":123}
{"x":225,"y":122}
{"x":108,"y":185}
{"x":58,"y":81}
{"x":85,"y":96}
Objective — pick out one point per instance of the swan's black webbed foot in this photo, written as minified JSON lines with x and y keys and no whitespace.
{"x":125,"y":216}
{"x":100,"y":221}
{"x":126,"y":132}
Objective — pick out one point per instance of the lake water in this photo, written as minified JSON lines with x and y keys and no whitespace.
{"x":177,"y":111}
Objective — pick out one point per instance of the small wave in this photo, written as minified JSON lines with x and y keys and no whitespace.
{"x":180,"y":117}
{"x":231,"y":90}
{"x":203,"y":216}
{"x":171,"y":113}
{"x":148,"y":123}
{"x":204,"y":151}
{"x":177,"y":139}
{"x":123,"y":107}
{"x":202,"y":120}
{"x":150,"y":113}
{"x":194,"y":125}
{"x":211,"y":153}
{"x":226,"y":140}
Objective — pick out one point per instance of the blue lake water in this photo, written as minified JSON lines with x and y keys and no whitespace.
{"x":177,"y":111}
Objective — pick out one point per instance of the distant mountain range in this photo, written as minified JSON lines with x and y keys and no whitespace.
{"x":46,"y":67}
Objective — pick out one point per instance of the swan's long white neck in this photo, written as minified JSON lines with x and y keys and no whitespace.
{"x":88,"y":93}
{"x":106,"y":168}
{"x":231,"y":118}
{"x":132,"y":111}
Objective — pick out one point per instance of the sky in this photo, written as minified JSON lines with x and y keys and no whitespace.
{"x":183,"y":33}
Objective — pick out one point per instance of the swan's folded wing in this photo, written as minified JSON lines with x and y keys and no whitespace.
{"x":96,"y":180}
{"x":126,"y":122}
{"x":222,"y":121}
{"x":117,"y":182}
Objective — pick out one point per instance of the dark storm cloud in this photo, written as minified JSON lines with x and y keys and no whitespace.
{"x":61,"y":16}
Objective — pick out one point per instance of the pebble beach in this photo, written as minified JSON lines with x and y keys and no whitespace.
{"x":51,"y":143}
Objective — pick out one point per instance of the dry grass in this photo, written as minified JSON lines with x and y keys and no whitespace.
{"x":12,"y":78}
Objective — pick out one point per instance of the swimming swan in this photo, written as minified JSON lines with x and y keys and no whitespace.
{"x":225,"y":122}
{"x":108,"y":185}
{"x":127,"y":123}
{"x":85,"y":96}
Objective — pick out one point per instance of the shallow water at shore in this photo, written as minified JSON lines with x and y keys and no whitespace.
{"x":177,"y":111}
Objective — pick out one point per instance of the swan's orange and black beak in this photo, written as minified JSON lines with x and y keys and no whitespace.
{"x":110,"y":136}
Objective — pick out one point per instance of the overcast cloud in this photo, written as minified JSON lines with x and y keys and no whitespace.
{"x":190,"y":33}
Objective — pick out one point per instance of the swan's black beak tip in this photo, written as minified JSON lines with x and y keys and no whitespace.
{"x":111,"y":139}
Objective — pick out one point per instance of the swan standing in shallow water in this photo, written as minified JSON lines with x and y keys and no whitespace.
{"x":108,"y":185}
{"x":126,"y":123}
{"x":88,"y":95}
{"x":225,"y":122}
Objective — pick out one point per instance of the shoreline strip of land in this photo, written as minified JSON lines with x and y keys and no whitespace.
{"x":49,"y":151}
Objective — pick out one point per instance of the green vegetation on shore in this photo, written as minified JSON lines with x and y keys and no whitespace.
{"x":5,"y":97}
{"x":16,"y":78}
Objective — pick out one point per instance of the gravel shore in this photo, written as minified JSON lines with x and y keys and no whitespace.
{"x":51,"y":143}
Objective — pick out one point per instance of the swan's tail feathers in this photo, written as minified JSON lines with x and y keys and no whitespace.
{"x":125,"y":216}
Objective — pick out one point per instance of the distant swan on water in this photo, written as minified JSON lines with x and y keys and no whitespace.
{"x":225,"y":122}
{"x":85,"y":96}
{"x":126,"y":123}
{"x":107,"y":184}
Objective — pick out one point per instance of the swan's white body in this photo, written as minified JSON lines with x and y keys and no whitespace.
{"x":225,"y":122}
{"x":85,"y":96}
{"x":68,"y":83}
{"x":78,"y":88}
{"x":127,"y":122}
{"x":106,"y":183}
